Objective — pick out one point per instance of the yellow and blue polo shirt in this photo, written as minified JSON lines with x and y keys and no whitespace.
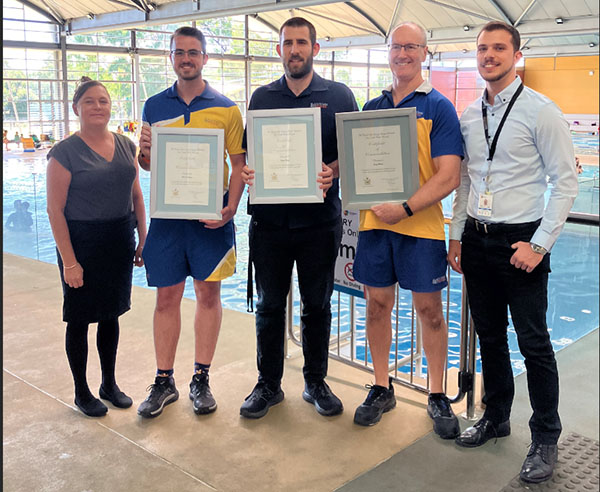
{"x":208,"y":110}
{"x":438,"y":133}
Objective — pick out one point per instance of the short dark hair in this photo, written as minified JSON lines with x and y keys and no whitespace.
{"x":300,"y":22}
{"x":499,"y":25}
{"x":86,"y":83}
{"x":189,"y":31}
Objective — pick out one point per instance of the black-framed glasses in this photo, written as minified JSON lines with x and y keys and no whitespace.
{"x":409,"y":47}
{"x":190,"y":53}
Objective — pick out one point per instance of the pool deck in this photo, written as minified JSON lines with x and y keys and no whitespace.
{"x":50,"y":446}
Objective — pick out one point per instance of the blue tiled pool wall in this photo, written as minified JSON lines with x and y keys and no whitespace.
{"x":573,"y":287}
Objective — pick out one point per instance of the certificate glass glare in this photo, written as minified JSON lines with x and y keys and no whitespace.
{"x":284,"y":149}
{"x":186,"y":173}
{"x":378,"y":158}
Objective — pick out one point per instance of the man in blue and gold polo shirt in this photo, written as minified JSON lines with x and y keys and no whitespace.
{"x":177,"y":248}
{"x":404,"y":243}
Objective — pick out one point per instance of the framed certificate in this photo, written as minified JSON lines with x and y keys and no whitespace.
{"x":284,"y":149}
{"x":186,"y":180}
{"x":377,"y":151}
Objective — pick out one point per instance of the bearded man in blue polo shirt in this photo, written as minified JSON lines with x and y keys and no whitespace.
{"x":307,"y":234}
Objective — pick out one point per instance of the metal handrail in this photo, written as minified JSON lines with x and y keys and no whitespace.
{"x":468,"y":340}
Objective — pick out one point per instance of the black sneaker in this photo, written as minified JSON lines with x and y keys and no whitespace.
{"x":200,"y":394}
{"x":162,"y":392}
{"x":258,"y":402}
{"x":323,"y":398}
{"x":379,"y":400}
{"x":445,"y":423}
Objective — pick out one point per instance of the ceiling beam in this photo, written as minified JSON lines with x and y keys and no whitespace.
{"x":52,"y":17}
{"x":500,"y":10}
{"x":337,"y":21}
{"x":126,"y":4}
{"x":533,"y":52}
{"x":372,"y":21}
{"x":265,"y":23}
{"x":529,"y":30}
{"x":395,"y":18}
{"x":524,"y":13}
{"x":461,"y":10}
{"x":184,"y":10}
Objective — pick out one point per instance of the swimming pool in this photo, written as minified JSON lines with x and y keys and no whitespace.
{"x":573,"y":287}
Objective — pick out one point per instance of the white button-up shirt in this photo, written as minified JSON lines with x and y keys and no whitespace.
{"x":534,"y":148}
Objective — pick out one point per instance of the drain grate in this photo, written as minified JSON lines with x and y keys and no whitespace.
{"x":577,"y":468}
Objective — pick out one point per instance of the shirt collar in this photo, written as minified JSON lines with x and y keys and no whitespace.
{"x":424,"y":88}
{"x":207,"y":93}
{"x":316,"y":84}
{"x":505,"y":94}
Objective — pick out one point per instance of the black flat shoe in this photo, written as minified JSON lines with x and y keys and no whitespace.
{"x":92,"y":408}
{"x":117,"y":397}
{"x":540,"y":462}
{"x":482,"y":432}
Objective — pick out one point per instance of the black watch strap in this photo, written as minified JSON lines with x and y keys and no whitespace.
{"x":409,"y":212}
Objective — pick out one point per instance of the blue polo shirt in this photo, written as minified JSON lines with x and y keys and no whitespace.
{"x":208,"y":110}
{"x":332,"y":97}
{"x":438,"y":133}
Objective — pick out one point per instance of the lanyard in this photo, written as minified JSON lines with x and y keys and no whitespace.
{"x":492,"y":147}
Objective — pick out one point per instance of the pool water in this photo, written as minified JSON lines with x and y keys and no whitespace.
{"x":573,"y":286}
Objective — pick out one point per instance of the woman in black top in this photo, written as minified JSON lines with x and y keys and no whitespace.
{"x":94,"y":204}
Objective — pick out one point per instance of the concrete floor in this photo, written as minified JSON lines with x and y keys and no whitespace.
{"x":50,"y":446}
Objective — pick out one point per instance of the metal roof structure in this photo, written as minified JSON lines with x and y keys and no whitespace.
{"x":547,"y":27}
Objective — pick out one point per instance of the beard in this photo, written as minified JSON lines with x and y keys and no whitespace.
{"x":496,"y":77}
{"x":301,"y":70}
{"x":190,"y":75}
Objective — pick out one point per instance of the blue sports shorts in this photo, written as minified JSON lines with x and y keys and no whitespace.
{"x":385,"y":257}
{"x":177,"y":248}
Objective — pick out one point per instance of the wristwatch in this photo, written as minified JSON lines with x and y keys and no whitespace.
{"x":538,"y":249}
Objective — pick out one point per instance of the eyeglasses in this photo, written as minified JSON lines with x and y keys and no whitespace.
{"x":409,"y":48}
{"x":190,"y":53}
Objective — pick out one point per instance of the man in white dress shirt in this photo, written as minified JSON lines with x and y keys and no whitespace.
{"x":516,"y":140}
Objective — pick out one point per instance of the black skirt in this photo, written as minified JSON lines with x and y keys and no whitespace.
{"x":105,"y":251}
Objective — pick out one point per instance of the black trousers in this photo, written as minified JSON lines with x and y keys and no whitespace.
{"x":493,"y":284}
{"x":273,"y":252}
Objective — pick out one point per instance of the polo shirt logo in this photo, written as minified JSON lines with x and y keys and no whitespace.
{"x":318,"y":105}
{"x":419,"y":114}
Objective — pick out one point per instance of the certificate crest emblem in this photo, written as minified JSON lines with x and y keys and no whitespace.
{"x":367,"y":180}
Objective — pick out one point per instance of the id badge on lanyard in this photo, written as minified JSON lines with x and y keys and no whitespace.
{"x":486,"y":199}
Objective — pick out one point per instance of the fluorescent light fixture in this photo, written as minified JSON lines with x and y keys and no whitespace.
{"x":559,"y":20}
{"x":466,"y":28}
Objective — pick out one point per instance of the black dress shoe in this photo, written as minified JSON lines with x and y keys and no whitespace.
{"x":482,"y":432}
{"x":540,"y":462}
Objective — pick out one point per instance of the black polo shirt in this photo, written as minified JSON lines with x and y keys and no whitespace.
{"x":332,"y":97}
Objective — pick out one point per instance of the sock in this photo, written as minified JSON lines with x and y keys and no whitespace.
{"x":201,"y":368}
{"x":164,"y":373}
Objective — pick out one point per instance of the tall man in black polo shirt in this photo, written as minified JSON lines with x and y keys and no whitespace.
{"x":308,"y":234}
